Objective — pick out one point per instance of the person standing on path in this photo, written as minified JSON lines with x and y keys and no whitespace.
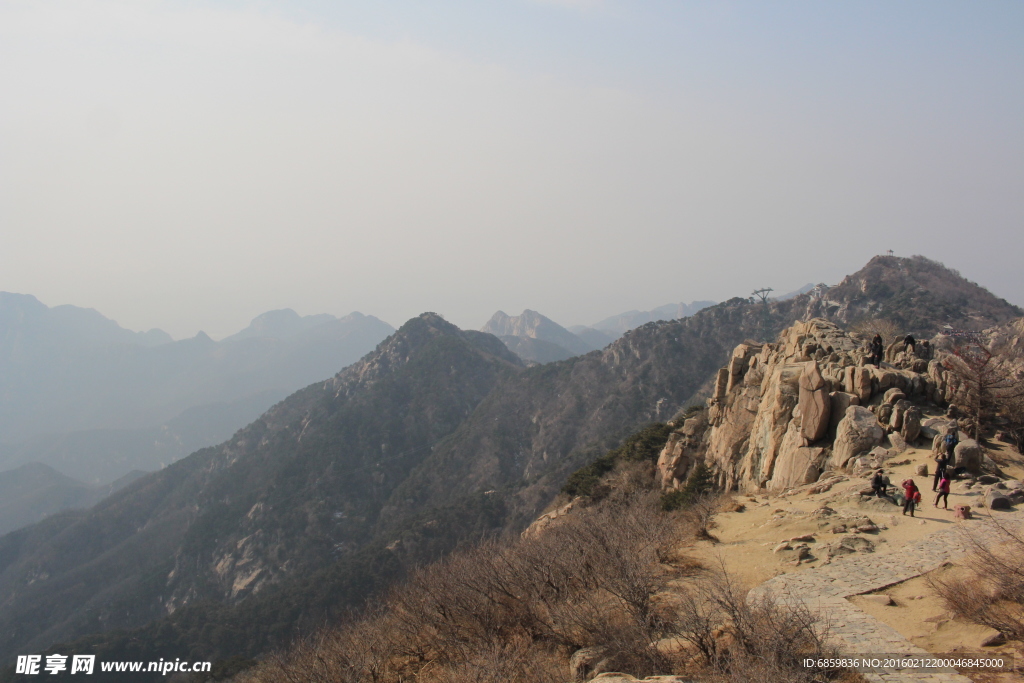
{"x":940,"y":469}
{"x":911,"y":496}
{"x":943,"y":493}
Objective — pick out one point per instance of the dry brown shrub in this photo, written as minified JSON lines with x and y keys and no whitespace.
{"x":360,"y":652}
{"x":518,"y":661}
{"x":630,"y":479}
{"x":513,"y":611}
{"x":738,"y":637}
{"x":591,"y":580}
{"x":992,"y":592}
{"x":1013,"y":412}
{"x":699,"y":515}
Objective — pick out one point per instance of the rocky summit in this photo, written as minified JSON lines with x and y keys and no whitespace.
{"x":788,"y":413}
{"x":536,"y":338}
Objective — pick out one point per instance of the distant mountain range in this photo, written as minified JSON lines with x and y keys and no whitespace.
{"x":99,"y":456}
{"x":438,"y":436}
{"x":538,"y":339}
{"x":618,"y":325}
{"x":34,"y":491}
{"x":95,"y":401}
{"x":281,"y":324}
{"x":535,"y":338}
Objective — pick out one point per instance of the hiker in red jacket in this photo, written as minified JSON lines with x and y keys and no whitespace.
{"x":943,"y":493}
{"x":911,"y":495}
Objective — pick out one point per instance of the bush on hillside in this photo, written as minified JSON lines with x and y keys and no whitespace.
{"x":699,"y":484}
{"x":515,"y":613}
{"x":642,"y":446}
{"x":745,"y":638}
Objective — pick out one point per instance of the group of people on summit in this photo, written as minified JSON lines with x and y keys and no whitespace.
{"x":909,"y":346}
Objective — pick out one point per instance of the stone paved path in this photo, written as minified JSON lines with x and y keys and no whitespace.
{"x":856,"y":632}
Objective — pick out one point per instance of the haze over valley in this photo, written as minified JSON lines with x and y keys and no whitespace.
{"x":522,"y":342}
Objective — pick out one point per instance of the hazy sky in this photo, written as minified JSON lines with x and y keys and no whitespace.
{"x":189,"y":165}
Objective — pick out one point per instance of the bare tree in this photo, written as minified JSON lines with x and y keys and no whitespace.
{"x":1013,"y":411}
{"x":986,"y":381}
{"x":701,"y":514}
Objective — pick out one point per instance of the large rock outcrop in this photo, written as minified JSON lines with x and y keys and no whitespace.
{"x":814,"y":402}
{"x":680,"y":453}
{"x":969,"y":453}
{"x":856,"y":434}
{"x":783,"y":413}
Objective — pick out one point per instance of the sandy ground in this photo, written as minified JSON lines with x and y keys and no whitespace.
{"x":919,"y":615}
{"x":748,"y":538}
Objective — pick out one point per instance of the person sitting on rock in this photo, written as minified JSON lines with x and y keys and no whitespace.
{"x":877,"y":350}
{"x":909,"y":344}
{"x":943,"y":493}
{"x":879,"y":484}
{"x":911,"y":495}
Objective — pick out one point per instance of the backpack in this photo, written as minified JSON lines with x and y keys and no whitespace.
{"x":951,"y":440}
{"x":917,"y":497}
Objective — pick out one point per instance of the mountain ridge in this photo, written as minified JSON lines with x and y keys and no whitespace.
{"x":64,"y":381}
{"x":181,"y":511}
{"x":475,"y":432}
{"x":619,"y":324}
{"x":534,"y":337}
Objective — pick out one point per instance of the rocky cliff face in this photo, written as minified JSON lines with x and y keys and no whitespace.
{"x":784,"y":413}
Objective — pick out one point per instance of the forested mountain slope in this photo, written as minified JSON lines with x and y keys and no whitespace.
{"x":294,"y":491}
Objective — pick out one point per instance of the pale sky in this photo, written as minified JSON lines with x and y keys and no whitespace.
{"x":189,"y":165}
